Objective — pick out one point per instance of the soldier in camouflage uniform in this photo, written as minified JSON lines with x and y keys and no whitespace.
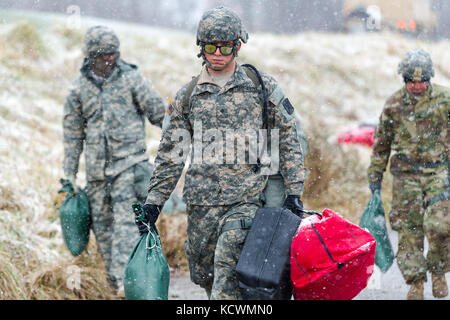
{"x":104,"y":114}
{"x":413,"y":128}
{"x":222,"y":196}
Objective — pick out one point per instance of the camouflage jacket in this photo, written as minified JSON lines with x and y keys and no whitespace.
{"x":109,"y":121}
{"x":416,"y":134}
{"x":237,"y":106}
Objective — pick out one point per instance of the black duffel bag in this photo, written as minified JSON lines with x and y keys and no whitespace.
{"x":263,"y":269}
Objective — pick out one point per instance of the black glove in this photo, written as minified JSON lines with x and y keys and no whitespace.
{"x":141,"y":227}
{"x":294,"y":204}
{"x":151,"y":212}
{"x":374,"y":186}
{"x":147,"y":214}
{"x":72,"y":180}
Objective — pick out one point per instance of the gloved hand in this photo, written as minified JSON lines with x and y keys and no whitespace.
{"x":141,"y":227}
{"x":72,"y":180}
{"x":294,"y":204}
{"x":374,"y":186}
{"x":151,"y":213}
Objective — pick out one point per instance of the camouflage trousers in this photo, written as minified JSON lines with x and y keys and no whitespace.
{"x":415,"y":214}
{"x":113,"y":219}
{"x":213,"y":253}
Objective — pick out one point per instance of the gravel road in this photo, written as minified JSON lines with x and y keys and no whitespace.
{"x":382,"y":286}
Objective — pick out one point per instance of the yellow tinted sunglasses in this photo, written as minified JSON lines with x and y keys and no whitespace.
{"x":224,"y":50}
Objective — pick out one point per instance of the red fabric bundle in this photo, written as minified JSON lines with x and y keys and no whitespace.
{"x":331,"y":258}
{"x":361,"y":135}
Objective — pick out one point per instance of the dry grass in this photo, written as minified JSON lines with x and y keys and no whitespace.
{"x":37,"y":280}
{"x":24,"y":41}
{"x":336,"y":176}
{"x":172,"y":230}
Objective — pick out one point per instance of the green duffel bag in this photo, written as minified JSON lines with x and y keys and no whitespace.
{"x":147,"y":273}
{"x":75,"y":218}
{"x":374,"y":221}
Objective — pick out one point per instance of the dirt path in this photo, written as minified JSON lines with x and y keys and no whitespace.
{"x":382,"y":286}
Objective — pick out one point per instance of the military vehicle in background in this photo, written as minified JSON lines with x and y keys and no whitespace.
{"x":415,"y":18}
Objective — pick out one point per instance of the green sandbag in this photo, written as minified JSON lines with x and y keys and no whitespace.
{"x":75,"y":218}
{"x":147,"y":273}
{"x":374,"y":221}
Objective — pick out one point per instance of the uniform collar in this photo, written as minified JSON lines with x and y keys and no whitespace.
{"x":206,"y":77}
{"x":239,"y":78}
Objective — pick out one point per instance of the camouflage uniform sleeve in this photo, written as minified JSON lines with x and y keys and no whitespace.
{"x":148,"y":100}
{"x":291,"y":155}
{"x":172,"y":153}
{"x":382,"y":147}
{"x":73,"y":132}
{"x":447,"y":140}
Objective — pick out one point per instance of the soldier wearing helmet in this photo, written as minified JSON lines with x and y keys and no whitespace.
{"x":413,"y":133}
{"x":221,"y":192}
{"x":104,"y":116}
{"x":220,"y":26}
{"x":101,"y":49}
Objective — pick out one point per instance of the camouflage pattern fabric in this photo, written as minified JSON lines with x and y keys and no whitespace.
{"x":113,"y":220}
{"x":237,"y":106}
{"x":417,"y":134}
{"x":213,"y":254}
{"x":100,"y":40}
{"x":415,"y":220}
{"x":109,"y":120}
{"x":220,"y":25}
{"x":274,"y":193}
{"x":413,"y":131}
{"x":106,"y":120}
{"x":215,"y":192}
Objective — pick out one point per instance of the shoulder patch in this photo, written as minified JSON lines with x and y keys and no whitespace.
{"x":288,"y":106}
{"x":277,"y":95}
{"x":170,"y":108}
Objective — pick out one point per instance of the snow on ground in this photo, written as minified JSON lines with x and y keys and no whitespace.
{"x":381,"y":286}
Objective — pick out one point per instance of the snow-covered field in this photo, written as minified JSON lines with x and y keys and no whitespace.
{"x":334,"y":80}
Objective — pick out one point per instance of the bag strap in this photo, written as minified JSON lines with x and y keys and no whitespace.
{"x":339,"y":264}
{"x":256,"y":78}
{"x":243,"y":223}
{"x":186,"y":106}
{"x":255,"y":75}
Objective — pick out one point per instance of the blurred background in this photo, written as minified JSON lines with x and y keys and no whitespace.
{"x":418,"y":18}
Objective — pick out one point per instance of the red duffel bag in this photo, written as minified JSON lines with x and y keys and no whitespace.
{"x":360,"y":135}
{"x":331,"y":258}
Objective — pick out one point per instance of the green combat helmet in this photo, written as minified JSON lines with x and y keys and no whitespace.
{"x":220,"y":25}
{"x":100,"y":40}
{"x":416,"y":66}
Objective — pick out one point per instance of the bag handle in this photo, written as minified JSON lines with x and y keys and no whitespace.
{"x":147,"y":239}
{"x":311,"y":212}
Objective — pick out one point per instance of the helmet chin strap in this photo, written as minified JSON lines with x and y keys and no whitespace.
{"x":208,"y":64}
